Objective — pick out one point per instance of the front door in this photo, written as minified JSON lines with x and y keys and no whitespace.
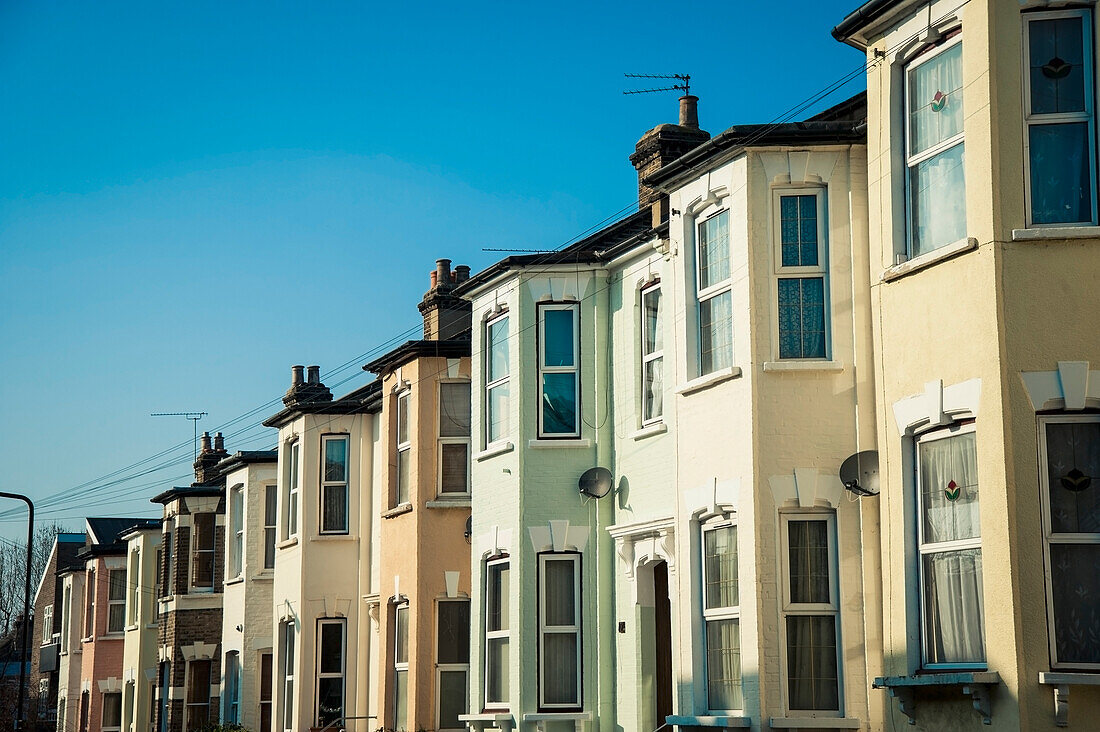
{"x":662,"y":622}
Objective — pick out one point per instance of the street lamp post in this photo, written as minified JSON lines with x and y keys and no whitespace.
{"x":26,"y":605}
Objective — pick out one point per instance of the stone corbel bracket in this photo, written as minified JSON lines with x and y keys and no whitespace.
{"x":640,"y":543}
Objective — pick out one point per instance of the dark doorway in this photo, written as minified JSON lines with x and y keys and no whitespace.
{"x":662,"y":626}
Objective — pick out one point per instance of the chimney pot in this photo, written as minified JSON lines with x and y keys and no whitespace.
{"x":435,"y":279}
{"x":205,"y":442}
{"x":689,"y":111}
{"x":297,"y":375}
{"x":462,"y":273}
{"x":442,"y":271}
{"x":219,"y":442}
{"x":313,"y":374}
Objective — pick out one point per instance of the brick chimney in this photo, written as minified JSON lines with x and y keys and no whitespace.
{"x":446,"y":316}
{"x":306,"y":387}
{"x":209,"y":456}
{"x":660,"y":146}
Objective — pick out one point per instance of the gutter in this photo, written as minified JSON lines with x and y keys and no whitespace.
{"x":859,"y":18}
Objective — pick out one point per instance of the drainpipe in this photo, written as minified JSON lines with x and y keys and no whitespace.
{"x":605,"y":549}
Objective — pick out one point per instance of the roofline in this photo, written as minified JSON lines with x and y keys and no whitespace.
{"x":851,"y":30}
{"x":42,"y":580}
{"x":246,"y":457}
{"x":153,"y":525}
{"x":364,"y":400}
{"x":418,"y":349}
{"x":180,"y":492}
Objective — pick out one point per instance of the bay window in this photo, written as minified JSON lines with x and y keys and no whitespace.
{"x":498,"y":603}
{"x":202,"y":551}
{"x":116,"y":600}
{"x":714,"y":294}
{"x":801,"y":275}
{"x":950,"y":549}
{"x":236,"y":522}
{"x":559,"y":631}
{"x":288,"y":676}
{"x":722,"y":618}
{"x":1070,"y":489}
{"x":935,"y":184}
{"x":334,"y":484}
{"x":454,"y":438}
{"x":134,"y":588}
{"x":810,"y":611}
{"x":331,"y":669}
{"x":401,"y":667}
{"x":653,"y":349}
{"x":89,"y":604}
{"x":290,"y":490}
{"x":1060,"y":121}
{"x":403,"y":447}
{"x":452,"y":662}
{"x":497,"y":378}
{"x":271,"y":510}
{"x":558,"y":370}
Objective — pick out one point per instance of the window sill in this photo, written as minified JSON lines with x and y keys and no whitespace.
{"x":131,"y":627}
{"x":568,"y":442}
{"x":1061,"y":681}
{"x":234,"y":581}
{"x":463,"y":502}
{"x":709,"y":721}
{"x":266,"y":575}
{"x":814,"y":723}
{"x":542,"y":719}
{"x":397,"y":510}
{"x":976,"y":684}
{"x":112,"y":635}
{"x":498,"y":720}
{"x":705,"y":382}
{"x":497,"y":448}
{"x":927,"y":259}
{"x":657,"y":428}
{"x":285,"y":543}
{"x":772,"y":366}
{"x":334,"y":537}
{"x":1048,"y":233}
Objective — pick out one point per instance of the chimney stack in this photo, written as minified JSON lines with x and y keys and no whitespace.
{"x":208,"y":458}
{"x":462,"y":273}
{"x":659,"y":147}
{"x":446,"y":316}
{"x":308,"y":390}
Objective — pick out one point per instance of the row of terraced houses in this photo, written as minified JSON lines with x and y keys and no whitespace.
{"x":604,"y":491}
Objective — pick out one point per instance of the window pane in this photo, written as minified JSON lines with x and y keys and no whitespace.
{"x":336,"y":460}
{"x":116,"y":618}
{"x":935,"y":100}
{"x":204,"y":531}
{"x":330,"y":699}
{"x":1057,"y":64}
{"x":809,"y":560}
{"x":1073,"y":474}
{"x":452,"y":699}
{"x":1061,"y":189}
{"x":812,"y":662}
{"x":198,"y":687}
{"x":403,"y":419}
{"x":455,"y":462}
{"x":403,"y":465}
{"x":559,"y":592}
{"x":798,"y":230}
{"x":558,"y":336}
{"x":401,"y":635}
{"x":499,"y":598}
{"x":335,"y":514}
{"x":559,"y":668}
{"x":714,"y":251}
{"x":498,"y":349}
{"x":724,"y":665}
{"x":112,"y":710}
{"x":1075,"y":587}
{"x":715,"y":333}
{"x":453,"y":643}
{"x":498,"y":412}
{"x":802,"y":317}
{"x":271,"y":508}
{"x":332,"y":648}
{"x":949,"y":489}
{"x":401,"y":700}
{"x":937,"y":200}
{"x":497,"y":688}
{"x":654,"y":387}
{"x":652,"y":338}
{"x":454,"y":410}
{"x":720,"y":552}
{"x":953,"y":612}
{"x":559,"y":403}
{"x":117,"y":584}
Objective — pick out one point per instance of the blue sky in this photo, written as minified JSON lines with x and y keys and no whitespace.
{"x":194,"y":196}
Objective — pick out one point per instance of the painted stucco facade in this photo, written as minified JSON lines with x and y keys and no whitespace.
{"x":70,"y":649}
{"x":139,"y":655}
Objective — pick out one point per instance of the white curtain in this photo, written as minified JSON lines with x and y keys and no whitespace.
{"x":724,"y":665}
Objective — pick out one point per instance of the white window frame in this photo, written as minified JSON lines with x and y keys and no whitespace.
{"x":543,"y":559}
{"x":505,"y":633}
{"x":400,"y":667}
{"x":47,"y":624}
{"x":236,"y":522}
{"x":911,"y":160}
{"x":341,"y":674}
{"x":649,"y":358}
{"x":1050,"y":537}
{"x":725,"y":612}
{"x":116,"y":602}
{"x":327,"y":484}
{"x":923,"y":549}
{"x":89,"y":603}
{"x":271,"y":524}
{"x":164,"y":572}
{"x":543,"y":369}
{"x":808,"y":609}
{"x":197,"y":553}
{"x":448,"y":667}
{"x":714,"y":290}
{"x":66,"y":615}
{"x":104,"y":727}
{"x":402,"y":448}
{"x":291,"y":482}
{"x":1088,"y":115}
{"x":802,"y":272}
{"x":453,"y":440}
{"x":188,"y":705}
{"x":497,"y":380}
{"x":134,"y":594}
{"x":288,"y":660}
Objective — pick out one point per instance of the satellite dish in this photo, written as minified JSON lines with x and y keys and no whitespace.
{"x":596,"y":482}
{"x":859,"y":473}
